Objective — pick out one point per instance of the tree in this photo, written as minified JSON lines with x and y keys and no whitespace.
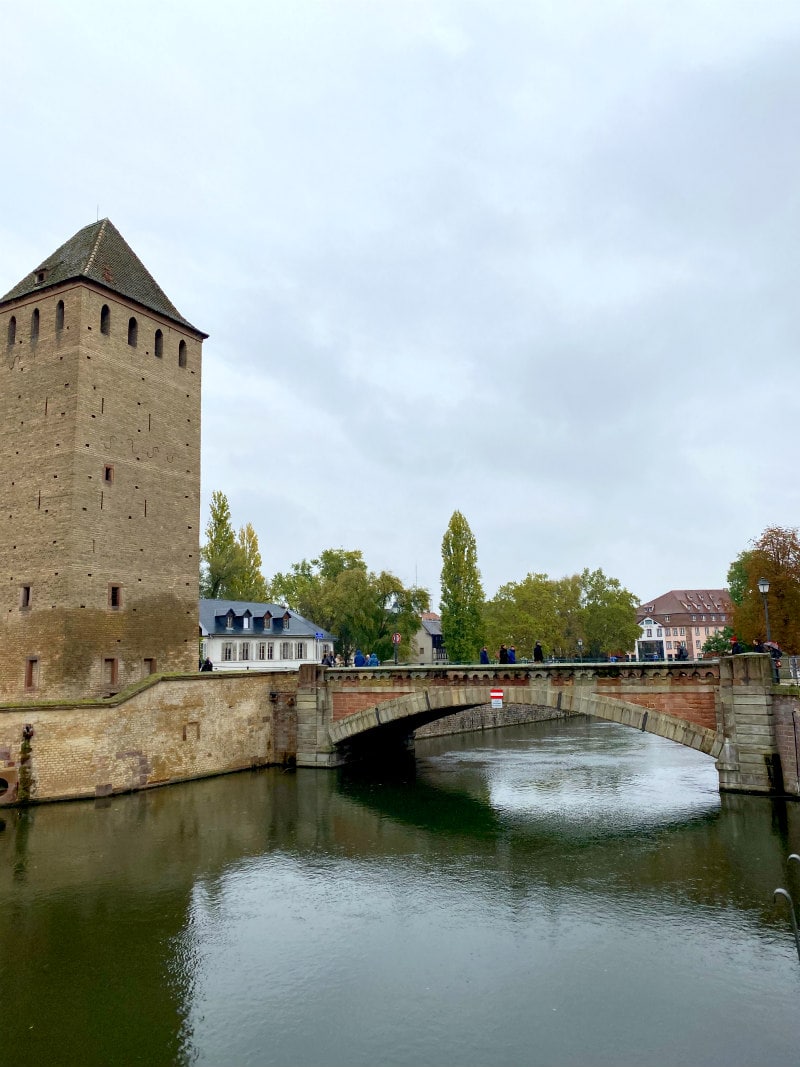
{"x":230,"y":566}
{"x":247,"y":582}
{"x":535,"y":609}
{"x":738,"y":580}
{"x":462,"y":593}
{"x":719,"y":642}
{"x":219,"y":556}
{"x":776,"y":557}
{"x":589,"y":607}
{"x":361,"y":608}
{"x":609,"y":614}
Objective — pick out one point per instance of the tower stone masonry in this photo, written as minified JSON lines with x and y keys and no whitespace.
{"x":100,"y":447}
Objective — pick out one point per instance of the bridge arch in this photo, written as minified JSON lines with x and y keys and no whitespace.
{"x":403,"y":714}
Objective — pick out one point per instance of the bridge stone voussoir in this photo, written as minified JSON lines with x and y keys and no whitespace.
{"x":439,"y":698}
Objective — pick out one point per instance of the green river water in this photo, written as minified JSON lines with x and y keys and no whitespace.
{"x":563,"y":893}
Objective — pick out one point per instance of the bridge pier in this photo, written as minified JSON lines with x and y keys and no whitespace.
{"x":749,"y":761}
{"x":314,"y":717}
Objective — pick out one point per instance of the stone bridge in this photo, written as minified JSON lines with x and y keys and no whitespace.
{"x":170,"y":728}
{"x":722,"y":708}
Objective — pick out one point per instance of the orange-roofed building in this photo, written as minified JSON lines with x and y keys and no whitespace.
{"x":681,"y":619}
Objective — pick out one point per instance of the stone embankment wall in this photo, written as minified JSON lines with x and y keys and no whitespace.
{"x":487,"y":718}
{"x":170,"y":730}
{"x":786,"y":712}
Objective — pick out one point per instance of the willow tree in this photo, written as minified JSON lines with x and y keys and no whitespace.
{"x":461,"y":601}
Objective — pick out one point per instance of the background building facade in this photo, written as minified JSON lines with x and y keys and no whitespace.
{"x":681,"y":618}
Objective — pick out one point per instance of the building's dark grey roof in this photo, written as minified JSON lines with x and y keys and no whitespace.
{"x":213,"y":615}
{"x":100,"y":254}
{"x":432,"y":626}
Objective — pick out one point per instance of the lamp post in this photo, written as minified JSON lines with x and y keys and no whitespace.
{"x":763,"y":588}
{"x":580,"y":649}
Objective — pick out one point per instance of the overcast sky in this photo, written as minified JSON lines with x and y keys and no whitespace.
{"x":535,"y":260}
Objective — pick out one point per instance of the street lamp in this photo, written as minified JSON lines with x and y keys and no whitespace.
{"x":580,"y":649}
{"x":763,"y":588}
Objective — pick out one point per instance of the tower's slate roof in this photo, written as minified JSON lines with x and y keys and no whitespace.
{"x":99,"y":253}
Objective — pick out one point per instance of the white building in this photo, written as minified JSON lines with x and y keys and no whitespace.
{"x":239,"y":635}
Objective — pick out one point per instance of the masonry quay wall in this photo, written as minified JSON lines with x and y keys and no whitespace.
{"x":487,"y":718}
{"x":171,"y":729}
{"x":786,"y":712}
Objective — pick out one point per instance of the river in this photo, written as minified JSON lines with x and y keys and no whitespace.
{"x":569,"y":892}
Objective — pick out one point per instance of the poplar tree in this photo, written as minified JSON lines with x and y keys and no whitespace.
{"x":247,"y":582}
{"x":220,"y":556}
{"x":462,"y":594}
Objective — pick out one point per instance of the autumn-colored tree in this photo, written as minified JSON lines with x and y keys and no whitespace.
{"x":776,"y":557}
{"x":462,"y":593}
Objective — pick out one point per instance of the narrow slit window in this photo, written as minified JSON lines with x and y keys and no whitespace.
{"x":159,"y":344}
{"x":105,"y":320}
{"x":115,"y":596}
{"x":108,"y":473}
{"x":60,"y":316}
{"x":35,"y":325}
{"x":182,"y":354}
{"x":133,"y":332}
{"x":110,"y":671}
{"x":32,"y":672}
{"x":25,"y":596}
{"x":12,"y":330}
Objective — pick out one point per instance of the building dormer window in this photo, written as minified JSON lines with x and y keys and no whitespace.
{"x":286,"y":623}
{"x":246,"y":622}
{"x":229,"y":620}
{"x":41,"y":274}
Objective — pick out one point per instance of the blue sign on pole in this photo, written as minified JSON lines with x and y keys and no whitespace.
{"x":319,"y":635}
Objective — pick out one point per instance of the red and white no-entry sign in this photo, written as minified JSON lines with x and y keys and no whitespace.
{"x":497,"y":697}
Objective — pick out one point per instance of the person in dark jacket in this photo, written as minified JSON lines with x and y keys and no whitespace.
{"x":484,"y":655}
{"x":359,"y":659}
{"x":776,"y":654}
{"x":503,"y":654}
{"x":207,"y":665}
{"x":538,"y":653}
{"x":512,"y":655}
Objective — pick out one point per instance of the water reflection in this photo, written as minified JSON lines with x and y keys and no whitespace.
{"x":564,"y":893}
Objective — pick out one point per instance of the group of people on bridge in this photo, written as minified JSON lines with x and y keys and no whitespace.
{"x":509,"y":654}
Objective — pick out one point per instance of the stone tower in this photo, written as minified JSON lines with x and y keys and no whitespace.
{"x":100,"y":448}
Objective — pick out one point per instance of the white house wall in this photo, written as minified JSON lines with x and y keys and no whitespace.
{"x":214,"y":649}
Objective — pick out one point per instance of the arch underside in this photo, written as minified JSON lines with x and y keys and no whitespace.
{"x":403,"y":715}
